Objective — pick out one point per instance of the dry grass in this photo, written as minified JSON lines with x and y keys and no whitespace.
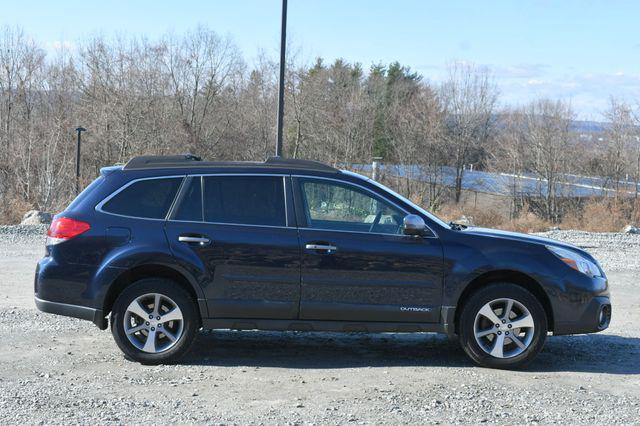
{"x":489,"y":218}
{"x":603,"y":215}
{"x":12,"y":211}
{"x":493,"y":218}
{"x":527,"y":223}
{"x":599,"y":215}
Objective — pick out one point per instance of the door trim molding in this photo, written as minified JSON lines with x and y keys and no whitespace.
{"x":320,"y":325}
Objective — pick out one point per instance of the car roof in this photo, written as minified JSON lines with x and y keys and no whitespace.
{"x":190,"y":161}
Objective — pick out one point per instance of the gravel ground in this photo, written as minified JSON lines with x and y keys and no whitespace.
{"x":615,"y":251}
{"x":57,"y":370}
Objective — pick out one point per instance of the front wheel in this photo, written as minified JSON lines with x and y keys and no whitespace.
{"x":502,"y":326}
{"x":154,"y":321}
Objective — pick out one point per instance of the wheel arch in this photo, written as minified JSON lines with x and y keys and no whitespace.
{"x":139,"y":272}
{"x":509,"y":276}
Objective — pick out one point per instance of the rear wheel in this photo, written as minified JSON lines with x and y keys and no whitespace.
{"x":502,"y":326}
{"x":154,"y":321}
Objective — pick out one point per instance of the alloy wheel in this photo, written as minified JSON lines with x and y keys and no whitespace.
{"x":504,"y":328}
{"x":153,"y":323}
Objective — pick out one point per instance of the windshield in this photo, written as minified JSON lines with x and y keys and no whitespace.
{"x":389,"y":191}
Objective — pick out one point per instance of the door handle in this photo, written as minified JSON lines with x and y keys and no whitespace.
{"x":203,"y":241}
{"x":321,"y":247}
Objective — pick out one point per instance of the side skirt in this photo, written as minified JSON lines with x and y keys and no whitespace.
{"x":338,"y":326}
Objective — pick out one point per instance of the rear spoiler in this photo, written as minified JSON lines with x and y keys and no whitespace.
{"x":106,"y":171}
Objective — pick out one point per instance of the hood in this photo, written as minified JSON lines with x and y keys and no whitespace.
{"x":516,"y":236}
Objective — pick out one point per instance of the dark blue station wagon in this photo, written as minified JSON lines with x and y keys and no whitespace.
{"x":165,"y":246}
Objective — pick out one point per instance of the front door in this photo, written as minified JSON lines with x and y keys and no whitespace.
{"x":237,"y":228}
{"x":356,"y":263}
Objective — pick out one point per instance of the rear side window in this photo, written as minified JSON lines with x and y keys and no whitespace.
{"x":149,"y":198}
{"x":246,"y":200}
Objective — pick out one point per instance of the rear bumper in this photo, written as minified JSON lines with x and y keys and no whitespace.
{"x":83,"y":312}
{"x":64,"y":290}
{"x":596,"y":317}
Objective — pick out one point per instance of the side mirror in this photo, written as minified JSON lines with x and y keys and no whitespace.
{"x":414,"y":225}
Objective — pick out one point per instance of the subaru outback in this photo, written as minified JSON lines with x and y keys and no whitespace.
{"x":167,"y":245}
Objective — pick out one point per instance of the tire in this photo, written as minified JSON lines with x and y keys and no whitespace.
{"x":181,"y":324}
{"x":481,"y":331}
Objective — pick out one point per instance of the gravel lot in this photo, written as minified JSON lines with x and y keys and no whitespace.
{"x":61,"y":370}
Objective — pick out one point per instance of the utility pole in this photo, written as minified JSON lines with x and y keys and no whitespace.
{"x":79,"y":130}
{"x":283,"y":46}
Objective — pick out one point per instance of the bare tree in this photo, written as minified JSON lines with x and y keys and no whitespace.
{"x":546,"y":132}
{"x":469,"y":99}
{"x":418,"y":148}
{"x":202,"y":68}
{"x":509,"y":156}
{"x":193,"y":92}
{"x":619,"y":160}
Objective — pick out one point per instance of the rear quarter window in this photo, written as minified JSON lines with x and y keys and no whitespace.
{"x":149,"y":198}
{"x":85,"y":193}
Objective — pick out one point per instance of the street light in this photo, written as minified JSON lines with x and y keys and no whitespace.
{"x":79,"y":130}
{"x":283,"y":45}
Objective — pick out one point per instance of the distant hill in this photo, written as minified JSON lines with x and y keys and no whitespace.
{"x":578,"y":126}
{"x":583,"y":126}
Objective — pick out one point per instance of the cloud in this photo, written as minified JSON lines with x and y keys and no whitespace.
{"x":589,"y":93}
{"x":527,"y":71}
{"x":535,"y":82}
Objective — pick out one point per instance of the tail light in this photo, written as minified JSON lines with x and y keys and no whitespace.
{"x":65,"y":228}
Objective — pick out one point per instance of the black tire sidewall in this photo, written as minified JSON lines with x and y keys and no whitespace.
{"x":496,"y":291}
{"x":179,"y":296}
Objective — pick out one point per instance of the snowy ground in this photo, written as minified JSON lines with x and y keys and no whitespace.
{"x":61,"y":370}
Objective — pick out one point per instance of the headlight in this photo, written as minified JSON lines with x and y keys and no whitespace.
{"x":576,"y":261}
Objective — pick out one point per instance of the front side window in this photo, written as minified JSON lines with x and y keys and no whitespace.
{"x":149,"y":198}
{"x":342,"y":207}
{"x":244,"y":200}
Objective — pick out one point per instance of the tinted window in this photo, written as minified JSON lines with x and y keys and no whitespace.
{"x":149,"y":198}
{"x":248,"y":200}
{"x":85,"y":193}
{"x":335,"y":206}
{"x":190,"y":207}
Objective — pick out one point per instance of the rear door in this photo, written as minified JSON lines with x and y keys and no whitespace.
{"x":239,"y":231}
{"x":356,"y":263}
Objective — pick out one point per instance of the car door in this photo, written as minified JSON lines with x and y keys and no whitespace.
{"x":238,"y":230}
{"x":357,"y":265}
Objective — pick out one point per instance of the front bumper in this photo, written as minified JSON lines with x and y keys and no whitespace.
{"x":596,"y":317}
{"x":90,"y":314}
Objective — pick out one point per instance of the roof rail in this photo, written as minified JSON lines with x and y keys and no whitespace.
{"x":191,"y":161}
{"x":306,"y":164}
{"x":147,"y":161}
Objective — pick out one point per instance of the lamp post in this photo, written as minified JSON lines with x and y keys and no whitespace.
{"x":79,"y":130}
{"x":283,"y":45}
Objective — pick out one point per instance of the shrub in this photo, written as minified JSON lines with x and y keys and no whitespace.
{"x":12,"y":210}
{"x":599,"y":215}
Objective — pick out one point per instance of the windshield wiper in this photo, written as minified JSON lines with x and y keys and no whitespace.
{"x":457,"y":226}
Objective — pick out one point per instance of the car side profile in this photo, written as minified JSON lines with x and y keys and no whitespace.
{"x":167,"y":245}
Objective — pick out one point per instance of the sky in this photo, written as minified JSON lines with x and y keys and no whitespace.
{"x":583,"y":51}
